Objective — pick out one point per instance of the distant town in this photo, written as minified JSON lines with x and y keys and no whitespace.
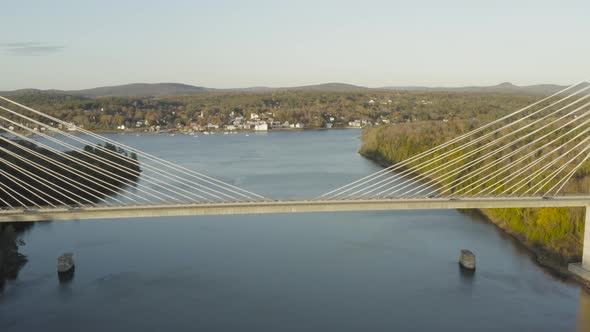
{"x":255,"y":122}
{"x":209,"y":112}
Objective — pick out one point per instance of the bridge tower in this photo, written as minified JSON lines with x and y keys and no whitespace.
{"x":586,"y":257}
{"x":582,"y":269}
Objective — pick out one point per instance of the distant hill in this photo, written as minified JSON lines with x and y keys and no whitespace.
{"x":32,"y":92}
{"x":506,"y":87}
{"x":172,"y":89}
{"x":332,"y":87}
{"x":139,"y":90}
{"x":127,"y":90}
{"x":328,"y":87}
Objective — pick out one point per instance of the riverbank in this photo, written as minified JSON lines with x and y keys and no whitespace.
{"x":552,"y":262}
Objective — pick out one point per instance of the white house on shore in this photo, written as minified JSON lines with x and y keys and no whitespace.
{"x":262,"y":126}
{"x":355,"y":123}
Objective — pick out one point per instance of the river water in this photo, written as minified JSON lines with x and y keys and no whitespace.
{"x":371,"y":271}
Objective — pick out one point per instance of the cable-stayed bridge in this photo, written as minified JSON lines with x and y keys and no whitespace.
{"x":53,"y":169}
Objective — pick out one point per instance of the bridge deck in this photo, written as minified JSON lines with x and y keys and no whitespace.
{"x":290,"y":207}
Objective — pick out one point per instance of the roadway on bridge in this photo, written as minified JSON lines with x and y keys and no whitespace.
{"x":295,"y":206}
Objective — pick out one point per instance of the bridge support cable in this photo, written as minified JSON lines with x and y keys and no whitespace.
{"x":528,"y":179}
{"x":72,"y":171}
{"x":150,"y":179}
{"x":432,"y":182}
{"x":186,"y":172}
{"x":7,"y":190}
{"x":556,"y":172}
{"x":459,"y":166}
{"x":152,"y":192}
{"x":455,"y":187}
{"x":402,"y":165}
{"x":31,"y":187}
{"x":159,"y":184}
{"x":57,"y":176}
{"x":40,"y":181}
{"x":428,"y":174}
{"x":504,"y":182}
{"x":511,"y":167}
{"x":569,"y":175}
{"x":410,"y":170}
{"x":27,"y":187}
{"x":97,"y":182}
{"x":199,"y":187}
{"x":441,"y":179}
{"x":6,"y":204}
{"x":17,"y":184}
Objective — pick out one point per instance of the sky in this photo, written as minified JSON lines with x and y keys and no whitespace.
{"x":82,"y":44}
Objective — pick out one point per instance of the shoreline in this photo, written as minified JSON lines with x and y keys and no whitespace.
{"x":556,"y":266}
{"x":248,"y":131}
{"x":200,"y":133}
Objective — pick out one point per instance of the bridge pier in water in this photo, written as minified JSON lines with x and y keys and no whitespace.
{"x":582,"y":269}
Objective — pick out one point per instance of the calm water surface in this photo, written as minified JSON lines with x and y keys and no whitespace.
{"x":371,"y":271}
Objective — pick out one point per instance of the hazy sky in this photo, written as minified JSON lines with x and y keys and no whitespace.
{"x":81,"y":44}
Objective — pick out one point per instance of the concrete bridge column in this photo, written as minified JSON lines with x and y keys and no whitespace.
{"x":586,"y":253}
{"x":582,"y":270}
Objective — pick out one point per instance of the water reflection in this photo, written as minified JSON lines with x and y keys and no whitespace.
{"x":584,"y":312}
{"x":65,"y":290}
{"x":467,"y":276}
{"x":66,"y":277}
{"x":11,"y":259}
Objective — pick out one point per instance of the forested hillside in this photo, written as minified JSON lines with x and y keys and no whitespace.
{"x":555,"y":233}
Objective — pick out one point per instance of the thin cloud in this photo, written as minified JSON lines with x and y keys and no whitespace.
{"x":30,"y":48}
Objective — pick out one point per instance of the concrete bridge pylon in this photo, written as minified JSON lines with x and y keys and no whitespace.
{"x":582,"y":270}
